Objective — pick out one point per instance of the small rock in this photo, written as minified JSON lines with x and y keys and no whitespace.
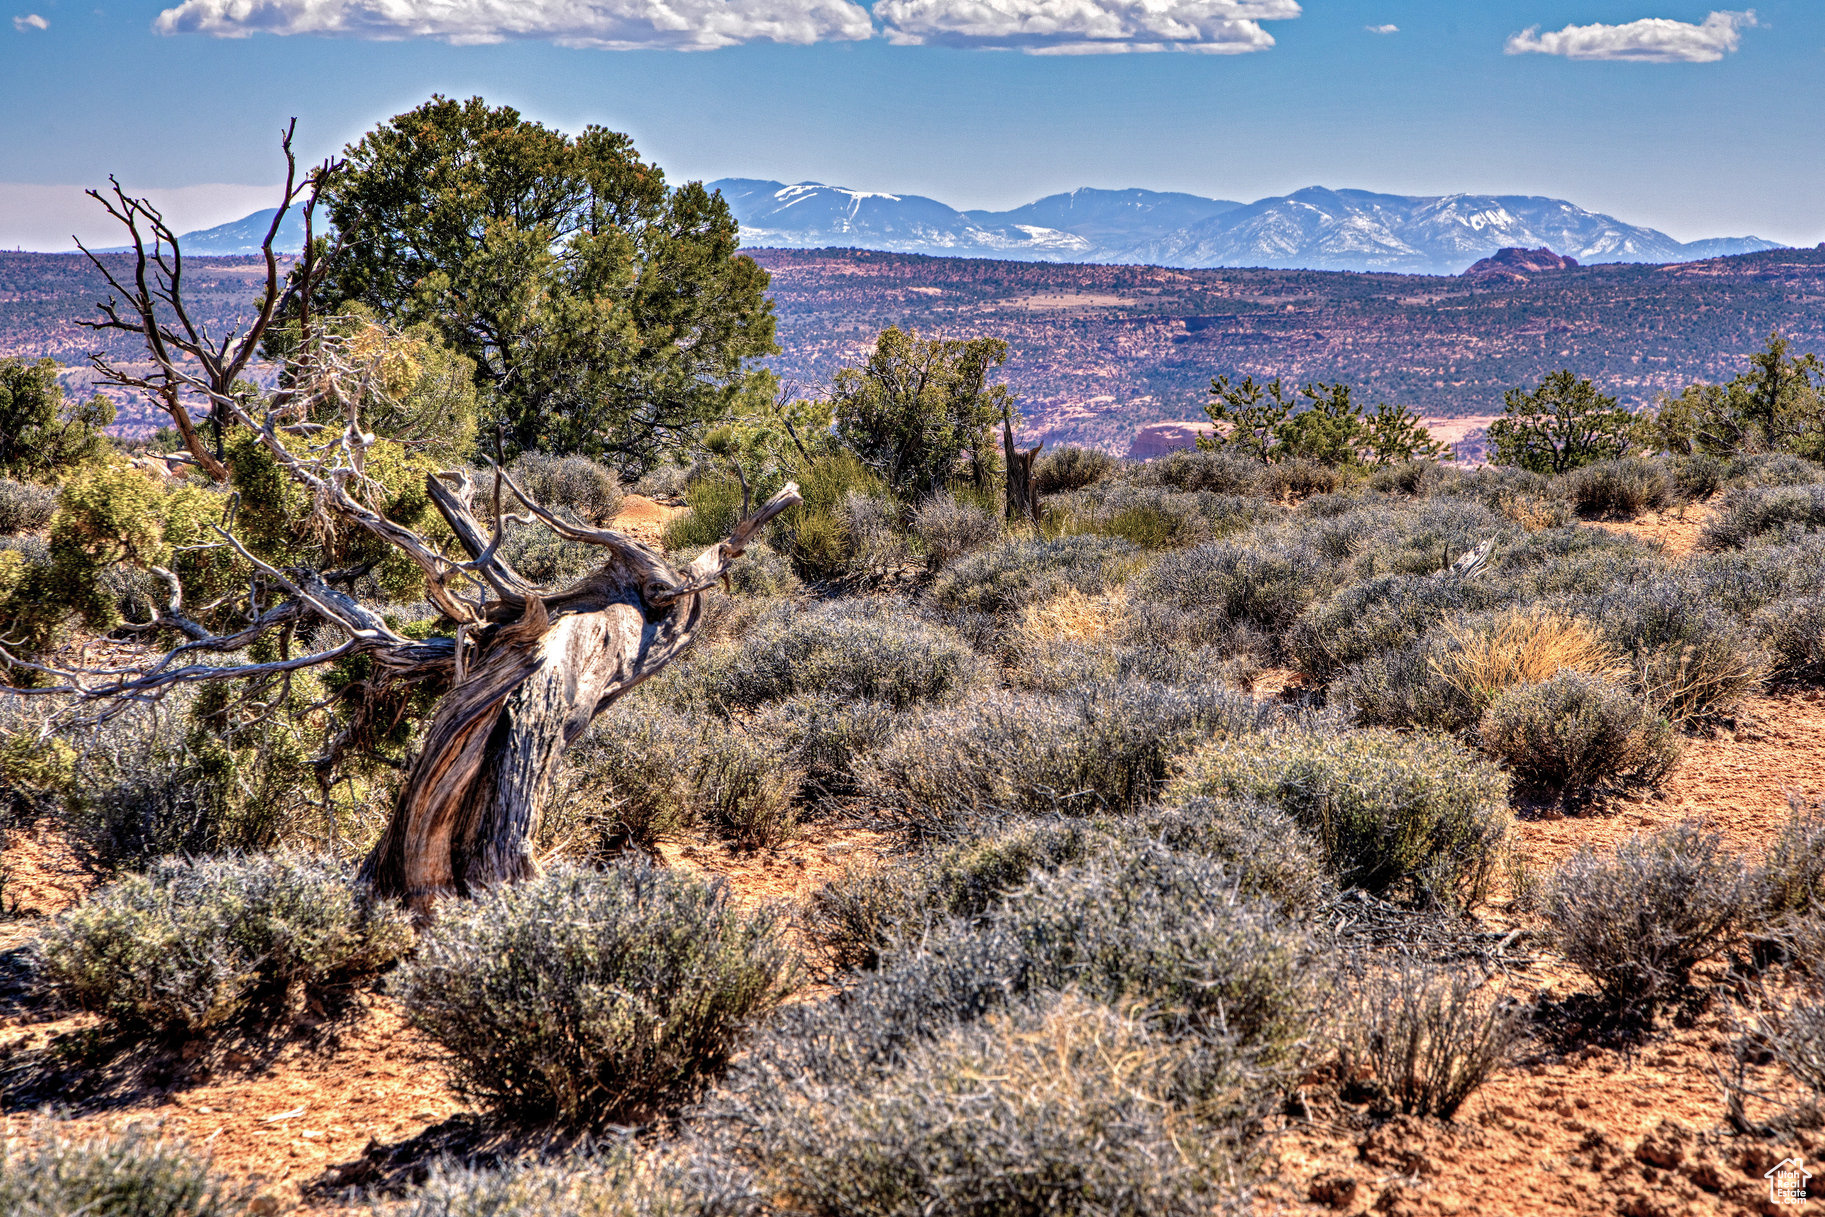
{"x":1665,"y":1145}
{"x":263,"y":1205}
{"x":1337,"y":1189}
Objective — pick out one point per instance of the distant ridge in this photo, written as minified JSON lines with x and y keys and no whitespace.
{"x":1311,"y":229}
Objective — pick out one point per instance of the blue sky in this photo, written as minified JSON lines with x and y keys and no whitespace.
{"x":1716,"y":133}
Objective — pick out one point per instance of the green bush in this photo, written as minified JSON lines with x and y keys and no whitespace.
{"x":133,"y":1173}
{"x":1066,"y":468}
{"x":1017,"y":573}
{"x":195,"y":943}
{"x":1578,"y":737}
{"x":25,"y":506}
{"x":594,"y":997}
{"x":1419,"y":819}
{"x":1061,"y":1107}
{"x":1420,"y":1038}
{"x":816,"y":535}
{"x":1624,"y":487}
{"x":1103,"y":748}
{"x":1637,"y":920}
{"x":870,"y":650}
{"x":575,"y":484}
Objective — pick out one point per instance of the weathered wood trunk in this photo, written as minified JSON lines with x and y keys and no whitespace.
{"x":470,"y":808}
{"x":1022,"y":498}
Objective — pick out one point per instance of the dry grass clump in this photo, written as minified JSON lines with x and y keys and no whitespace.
{"x":1072,"y":616}
{"x":137,"y":1172}
{"x":1420,"y":1038}
{"x":194,"y":944}
{"x":594,"y":997}
{"x":1519,"y":646}
{"x":1637,"y":920}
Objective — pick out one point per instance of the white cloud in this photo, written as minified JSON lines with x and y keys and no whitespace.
{"x":1087,"y":27}
{"x":1650,"y":40}
{"x":686,"y":25}
{"x":31,"y":21}
{"x":1382,"y":29}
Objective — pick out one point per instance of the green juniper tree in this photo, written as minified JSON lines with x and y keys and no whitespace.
{"x":606,"y":313}
{"x":1562,"y":425}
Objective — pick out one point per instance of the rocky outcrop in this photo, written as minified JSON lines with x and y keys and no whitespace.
{"x":1514,"y":265}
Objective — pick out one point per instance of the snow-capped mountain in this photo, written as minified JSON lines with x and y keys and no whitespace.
{"x":1312,"y":229}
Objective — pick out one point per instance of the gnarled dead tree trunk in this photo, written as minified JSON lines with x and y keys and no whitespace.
{"x":527,"y":669}
{"x":472,"y":799}
{"x":1022,"y":497}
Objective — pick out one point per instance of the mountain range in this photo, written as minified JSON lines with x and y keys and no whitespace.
{"x":1311,"y":229}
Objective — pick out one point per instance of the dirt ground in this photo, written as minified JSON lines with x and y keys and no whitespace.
{"x":1576,"y":1125}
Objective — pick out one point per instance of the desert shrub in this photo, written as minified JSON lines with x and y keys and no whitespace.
{"x":1299,"y":479}
{"x":764,"y":572}
{"x":1578,"y":737}
{"x":1416,"y":478}
{"x":634,"y":767}
{"x":594,"y":997}
{"x":1637,"y":920}
{"x":857,"y":915}
{"x":1099,"y":748}
{"x":839,"y":493}
{"x":25,"y":506}
{"x":742,"y":789}
{"x":1689,"y":659}
{"x":1263,"y":586}
{"x":664,"y":483}
{"x":1196,"y":469}
{"x":1061,"y":1106}
{"x":1419,"y":819}
{"x":712,"y":498}
{"x":1406,"y":688}
{"x":1420,"y":1038}
{"x":616,"y":1182}
{"x":571,"y":483}
{"x":1518,"y":495}
{"x":192,"y":944}
{"x":825,"y":737}
{"x":1265,"y":851}
{"x":949,"y":528}
{"x":1772,"y":469}
{"x":1765,"y":513}
{"x":1067,"y":468}
{"x":1793,"y":629}
{"x":545,"y":557}
{"x":1020,"y":572}
{"x":1156,"y":517}
{"x":1423,"y":538}
{"x":136,"y":1172}
{"x":858,"y":649}
{"x":1625,"y":487}
{"x":1790,"y":882}
{"x":874,"y":540}
{"x":1795,"y":1037}
{"x":1699,"y":476}
{"x":1378,"y":615}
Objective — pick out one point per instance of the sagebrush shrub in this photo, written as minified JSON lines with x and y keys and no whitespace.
{"x":1577,"y":737}
{"x":1793,"y":629}
{"x":1197,"y":469}
{"x":1062,"y":1106}
{"x":1420,"y":1038}
{"x":1093,"y":749}
{"x":1419,"y":819}
{"x":742,"y":788}
{"x":1067,"y":468}
{"x":1299,"y":479}
{"x":1416,"y":478}
{"x":1406,"y":688}
{"x":1764,"y":513}
{"x":25,"y":506}
{"x":618,"y":1181}
{"x":136,"y":1172}
{"x":594,"y":997}
{"x":1015,"y":573}
{"x":825,"y":738}
{"x":1637,"y":920}
{"x":1690,"y":660}
{"x":1790,"y":882}
{"x":1263,"y":586}
{"x":1265,"y":851}
{"x":1156,"y":517}
{"x":949,"y":528}
{"x":1378,"y":615}
{"x":573,"y":483}
{"x":192,"y":944}
{"x":1698,"y":476}
{"x":1625,"y":486}
{"x":857,"y":650}
{"x":635,"y":768}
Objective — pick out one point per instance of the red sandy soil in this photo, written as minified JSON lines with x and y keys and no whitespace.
{"x":1676,"y":532}
{"x":644,"y":520}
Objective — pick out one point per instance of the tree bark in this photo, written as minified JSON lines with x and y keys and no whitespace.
{"x":1022,"y":499}
{"x":473,"y":796}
